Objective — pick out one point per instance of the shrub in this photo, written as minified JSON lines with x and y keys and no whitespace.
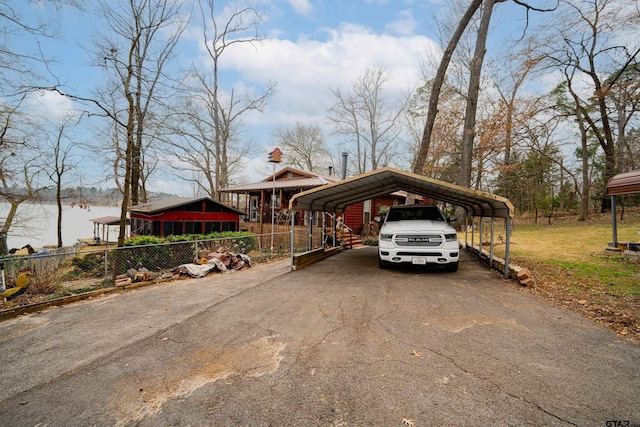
{"x":150,"y":252}
{"x":91,"y":263}
{"x":226,"y":241}
{"x":370,"y":242}
{"x":144,"y":240}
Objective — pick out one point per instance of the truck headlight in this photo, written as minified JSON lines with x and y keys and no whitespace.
{"x":453,"y":237}
{"x":386,"y":237}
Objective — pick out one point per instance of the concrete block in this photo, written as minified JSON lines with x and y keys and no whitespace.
{"x":527,"y":282}
{"x":524,"y":274}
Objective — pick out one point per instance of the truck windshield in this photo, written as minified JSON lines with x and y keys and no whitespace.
{"x":415,"y":213}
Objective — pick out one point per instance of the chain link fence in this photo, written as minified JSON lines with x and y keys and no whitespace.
{"x":73,"y":270}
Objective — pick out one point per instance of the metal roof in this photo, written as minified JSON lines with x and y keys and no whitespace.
{"x":337,"y":196}
{"x":107,"y":220}
{"x":296,"y":183}
{"x":174,"y":202}
{"x":624,"y":183}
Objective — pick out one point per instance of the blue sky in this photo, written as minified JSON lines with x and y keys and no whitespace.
{"x":308,"y":48}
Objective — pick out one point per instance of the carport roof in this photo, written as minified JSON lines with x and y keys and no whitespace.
{"x":337,"y":196}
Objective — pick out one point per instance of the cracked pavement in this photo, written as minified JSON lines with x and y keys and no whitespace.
{"x":340,"y":343}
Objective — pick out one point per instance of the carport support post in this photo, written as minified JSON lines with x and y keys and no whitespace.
{"x":480,"y":238}
{"x":309,"y":240}
{"x":324,"y":229}
{"x":473,"y":233}
{"x":466,"y":229}
{"x":614,"y":222}
{"x":335,"y":232}
{"x":293,"y":234}
{"x":507,"y":247}
{"x":491,"y":243}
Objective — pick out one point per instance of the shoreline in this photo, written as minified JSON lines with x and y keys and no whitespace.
{"x":36,"y":224}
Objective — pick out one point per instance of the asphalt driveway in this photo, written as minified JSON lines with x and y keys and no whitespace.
{"x":339,"y":343}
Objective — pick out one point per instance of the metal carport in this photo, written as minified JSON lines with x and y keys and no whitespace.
{"x":337,"y":196}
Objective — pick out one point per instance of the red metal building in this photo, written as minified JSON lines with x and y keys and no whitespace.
{"x":183,"y":215}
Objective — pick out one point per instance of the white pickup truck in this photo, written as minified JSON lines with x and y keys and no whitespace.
{"x":417,"y":234}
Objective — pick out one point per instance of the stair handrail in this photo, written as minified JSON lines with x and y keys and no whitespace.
{"x":341,"y":224}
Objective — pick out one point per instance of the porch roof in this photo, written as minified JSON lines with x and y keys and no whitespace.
{"x":281,"y":184}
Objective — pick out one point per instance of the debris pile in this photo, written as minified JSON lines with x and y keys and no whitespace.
{"x":224,"y":262}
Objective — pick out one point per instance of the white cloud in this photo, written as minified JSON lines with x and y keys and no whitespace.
{"x":305,"y":69}
{"x":50,"y":106}
{"x":405,"y":24}
{"x":301,"y":7}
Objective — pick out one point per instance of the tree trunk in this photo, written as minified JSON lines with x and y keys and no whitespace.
{"x":586,"y":187}
{"x":438,"y":82}
{"x":59,"y":203}
{"x":464,"y":173}
{"x":10,"y":215}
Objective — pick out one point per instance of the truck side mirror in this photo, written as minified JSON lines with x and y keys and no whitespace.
{"x":452,"y":218}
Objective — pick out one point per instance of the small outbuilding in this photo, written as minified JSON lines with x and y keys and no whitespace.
{"x":104,"y":223}
{"x":620,"y":185}
{"x":183,"y":215}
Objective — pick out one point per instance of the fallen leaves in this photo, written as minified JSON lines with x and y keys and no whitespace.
{"x":416,"y":353}
{"x":408,"y":422}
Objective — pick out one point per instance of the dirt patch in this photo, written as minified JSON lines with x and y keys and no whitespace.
{"x":143,"y":393}
{"x":589,"y":298}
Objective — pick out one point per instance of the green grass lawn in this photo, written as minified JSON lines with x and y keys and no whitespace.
{"x":576,"y":250}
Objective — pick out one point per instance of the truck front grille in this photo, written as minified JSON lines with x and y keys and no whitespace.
{"x":419,"y":253}
{"x":420,"y":240}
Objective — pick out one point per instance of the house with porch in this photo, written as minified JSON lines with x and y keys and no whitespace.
{"x":286,"y":183}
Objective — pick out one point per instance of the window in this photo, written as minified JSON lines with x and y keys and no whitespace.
{"x":211,"y":227}
{"x":194,"y":207}
{"x":171,"y":227}
{"x":228,"y":226}
{"x":367,"y":211}
{"x":156,"y":228}
{"x":193,"y":227}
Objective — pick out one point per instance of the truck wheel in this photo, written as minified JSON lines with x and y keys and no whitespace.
{"x":382,"y":264}
{"x":452,"y":267}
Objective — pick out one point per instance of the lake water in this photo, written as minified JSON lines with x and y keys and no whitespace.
{"x":37,"y":224}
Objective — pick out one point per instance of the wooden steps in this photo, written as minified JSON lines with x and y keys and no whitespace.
{"x":352,"y":240}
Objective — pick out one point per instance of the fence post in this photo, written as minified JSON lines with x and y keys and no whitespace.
{"x":106,"y":265}
{"x":196,"y":257}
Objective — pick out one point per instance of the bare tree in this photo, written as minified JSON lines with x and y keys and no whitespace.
{"x":19,"y":182}
{"x":442,"y":71}
{"x":135,"y":52}
{"x":625,"y":97}
{"x":213,"y":116}
{"x":304,"y":147}
{"x":468,"y":135}
{"x":587,"y":46}
{"x":520,"y":66}
{"x":365,"y":118}
{"x":444,"y":151}
{"x":438,"y":82}
{"x":62,"y":163}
